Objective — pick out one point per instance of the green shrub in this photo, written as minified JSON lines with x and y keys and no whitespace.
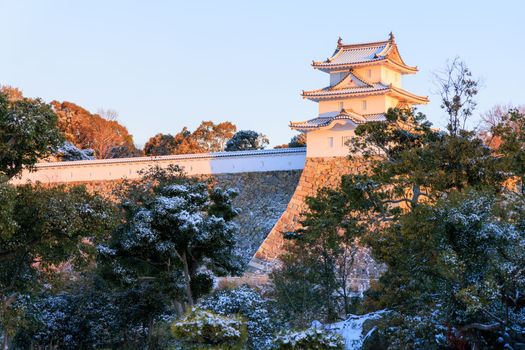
{"x":203,"y":329}
{"x":311,"y":339}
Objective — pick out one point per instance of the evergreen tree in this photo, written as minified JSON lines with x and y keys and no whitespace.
{"x":511,"y":134}
{"x":455,"y":269}
{"x":409,"y":163}
{"x":178,"y":235}
{"x":246,"y":140}
{"x":443,"y":272}
{"x":69,"y":152}
{"x":41,"y":230}
{"x":313,"y":281}
{"x":28,"y":132}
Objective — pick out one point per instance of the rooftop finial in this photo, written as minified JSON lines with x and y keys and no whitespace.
{"x":391,"y":36}
{"x":339,"y":42}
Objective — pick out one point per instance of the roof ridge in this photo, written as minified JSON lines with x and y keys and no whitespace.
{"x":373,"y":43}
{"x":350,"y":73}
{"x":358,"y":76}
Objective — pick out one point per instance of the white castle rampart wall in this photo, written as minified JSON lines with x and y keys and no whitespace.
{"x":193,"y":164}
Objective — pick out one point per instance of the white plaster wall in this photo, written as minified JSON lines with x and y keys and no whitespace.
{"x":318,"y":142}
{"x":193,"y":164}
{"x":391,"y":102}
{"x":374,"y":104}
{"x":390,"y":76}
{"x":337,"y":77}
{"x":371,"y":74}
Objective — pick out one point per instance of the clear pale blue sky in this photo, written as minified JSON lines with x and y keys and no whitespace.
{"x":167,"y":64}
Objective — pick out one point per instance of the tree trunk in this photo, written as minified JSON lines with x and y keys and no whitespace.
{"x":178,"y":307}
{"x":150,"y":331}
{"x":189,"y":295}
{"x":5,"y":341}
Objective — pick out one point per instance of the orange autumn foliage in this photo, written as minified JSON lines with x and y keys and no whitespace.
{"x":108,"y":138}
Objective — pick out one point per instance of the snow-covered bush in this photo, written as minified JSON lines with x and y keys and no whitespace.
{"x":70,"y":321}
{"x":248,"y":303}
{"x":69,"y":152}
{"x":246,"y":140}
{"x":397,"y":331}
{"x":310,"y":339}
{"x":203,"y":329}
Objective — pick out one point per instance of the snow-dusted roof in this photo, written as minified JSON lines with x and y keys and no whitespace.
{"x":321,"y":122}
{"x":348,"y":54}
{"x":330,"y":91}
{"x":361,"y":88}
{"x":351,"y":55}
{"x":213,"y":155}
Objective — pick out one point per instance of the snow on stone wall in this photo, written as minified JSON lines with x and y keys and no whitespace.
{"x":263,"y":198}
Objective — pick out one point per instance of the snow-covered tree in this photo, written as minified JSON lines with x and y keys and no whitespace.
{"x":456,"y":270}
{"x":28,"y":132}
{"x":81,"y":317}
{"x":69,"y":152}
{"x":410,"y":166}
{"x":244,"y":140}
{"x":42,"y":228}
{"x":178,"y":236}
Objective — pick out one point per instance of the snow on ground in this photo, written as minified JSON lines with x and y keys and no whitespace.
{"x":352,"y":329}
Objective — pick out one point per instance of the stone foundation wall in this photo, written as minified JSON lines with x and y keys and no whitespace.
{"x":317,"y":173}
{"x":263,"y":198}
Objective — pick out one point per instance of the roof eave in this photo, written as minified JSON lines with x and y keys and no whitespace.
{"x":330,"y":125}
{"x":317,"y":98}
{"x":402,"y":67}
{"x":410,"y":97}
{"x":325,"y":67}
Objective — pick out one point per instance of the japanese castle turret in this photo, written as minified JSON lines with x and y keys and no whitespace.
{"x":365,"y":81}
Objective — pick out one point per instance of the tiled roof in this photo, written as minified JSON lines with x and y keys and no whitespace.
{"x":350,"y":54}
{"x":335,"y":92}
{"x":344,"y":115}
{"x":176,"y":157}
{"x":367,"y":53}
{"x":331,"y":91}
